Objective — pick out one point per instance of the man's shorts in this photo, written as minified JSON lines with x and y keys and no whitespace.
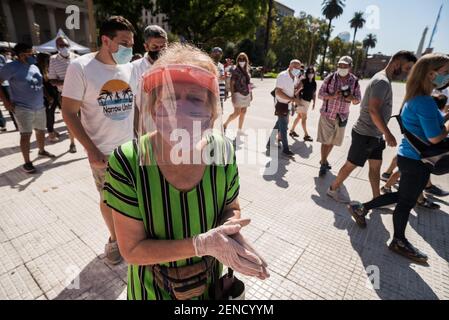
{"x":365,"y":148}
{"x":27,"y":119}
{"x":303,"y":107}
{"x":99,"y":177}
{"x":330,"y":132}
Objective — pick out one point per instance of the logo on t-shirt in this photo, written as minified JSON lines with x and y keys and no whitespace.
{"x":35,"y":81}
{"x":116,"y":99}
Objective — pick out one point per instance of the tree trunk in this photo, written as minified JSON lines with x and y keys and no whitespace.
{"x":353,"y":42}
{"x":325,"y":46}
{"x":267,"y":31}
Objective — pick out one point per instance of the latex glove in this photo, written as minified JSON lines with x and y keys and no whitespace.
{"x":218,"y":243}
{"x":242,"y":241}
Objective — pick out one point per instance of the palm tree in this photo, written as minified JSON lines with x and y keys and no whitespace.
{"x":370,"y":41}
{"x":331,"y":9}
{"x":356,"y":23}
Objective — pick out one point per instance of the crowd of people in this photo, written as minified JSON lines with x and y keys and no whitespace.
{"x":177,"y":223}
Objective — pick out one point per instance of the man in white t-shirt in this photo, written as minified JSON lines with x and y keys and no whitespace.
{"x":56,"y":74}
{"x":155,"y":41}
{"x":97,"y":84}
{"x":286,"y":83}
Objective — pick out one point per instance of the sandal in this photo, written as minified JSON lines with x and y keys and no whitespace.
{"x":308,"y":138}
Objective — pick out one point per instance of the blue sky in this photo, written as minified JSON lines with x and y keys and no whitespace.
{"x":401,"y":22}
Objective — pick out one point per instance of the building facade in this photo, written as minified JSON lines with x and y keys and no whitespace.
{"x":157,"y":19}
{"x":375,"y":63}
{"x":38,"y":21}
{"x":282,"y":10}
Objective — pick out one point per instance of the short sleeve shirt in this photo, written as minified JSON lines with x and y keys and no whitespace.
{"x":142,"y":193}
{"x":421,"y":117}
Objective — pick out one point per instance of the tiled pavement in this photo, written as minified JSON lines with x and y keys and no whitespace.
{"x":51,"y":230}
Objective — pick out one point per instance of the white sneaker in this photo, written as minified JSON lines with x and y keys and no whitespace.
{"x":338,"y":196}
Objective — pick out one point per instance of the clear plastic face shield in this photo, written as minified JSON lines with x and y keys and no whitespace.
{"x":180,"y":118}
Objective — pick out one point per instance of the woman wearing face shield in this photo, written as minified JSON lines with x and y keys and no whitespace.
{"x":176,"y":210}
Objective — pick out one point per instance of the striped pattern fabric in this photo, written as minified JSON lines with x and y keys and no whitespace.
{"x":142,"y":193}
{"x":58,"y":66}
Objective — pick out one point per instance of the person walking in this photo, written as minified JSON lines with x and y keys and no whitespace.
{"x":26,"y":101}
{"x":306,"y":96}
{"x":56,"y":74}
{"x":420,"y":116}
{"x":338,"y":91}
{"x":372,"y":126}
{"x":97,"y":85}
{"x":284,"y":92}
{"x":241,"y":92}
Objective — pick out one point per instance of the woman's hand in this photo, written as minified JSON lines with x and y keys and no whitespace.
{"x":219,"y":243}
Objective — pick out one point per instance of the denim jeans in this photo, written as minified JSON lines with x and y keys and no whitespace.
{"x":282,"y":127}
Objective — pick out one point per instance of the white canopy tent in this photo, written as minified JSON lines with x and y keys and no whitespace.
{"x":50,"y":46}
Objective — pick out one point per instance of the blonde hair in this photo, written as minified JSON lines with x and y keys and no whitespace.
{"x":177,"y":53}
{"x":418,"y":83}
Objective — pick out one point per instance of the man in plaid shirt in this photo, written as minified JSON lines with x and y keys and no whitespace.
{"x":338,"y":91}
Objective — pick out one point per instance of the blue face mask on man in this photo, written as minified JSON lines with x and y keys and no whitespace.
{"x":441,"y":80}
{"x":31,"y":60}
{"x":123,"y":55}
{"x":296,"y":72}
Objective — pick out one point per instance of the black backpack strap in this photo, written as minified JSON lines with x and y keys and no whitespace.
{"x":417,"y":143}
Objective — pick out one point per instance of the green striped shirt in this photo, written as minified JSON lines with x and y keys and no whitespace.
{"x":142,"y":193}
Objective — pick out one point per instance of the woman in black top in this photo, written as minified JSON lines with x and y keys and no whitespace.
{"x":306,"y":93}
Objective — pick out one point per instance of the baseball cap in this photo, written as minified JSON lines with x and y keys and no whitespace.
{"x":345,"y":60}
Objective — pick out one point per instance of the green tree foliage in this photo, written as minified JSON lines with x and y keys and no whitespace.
{"x":130,"y":9}
{"x":331,"y":9}
{"x":357,"y":22}
{"x":213,"y":22}
{"x":295,"y":38}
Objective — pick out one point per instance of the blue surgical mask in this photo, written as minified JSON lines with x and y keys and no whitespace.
{"x":31,"y":60}
{"x":296,"y":72}
{"x":123,"y":55}
{"x":441,"y":80}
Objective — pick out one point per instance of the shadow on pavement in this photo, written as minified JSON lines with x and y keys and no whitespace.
{"x":278,"y":163}
{"x":14,"y":177}
{"x":397,"y":278}
{"x":302,"y":149}
{"x":435,"y":237}
{"x":97,"y":281}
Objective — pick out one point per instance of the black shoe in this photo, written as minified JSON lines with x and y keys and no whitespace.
{"x":308,"y":138}
{"x":72,"y":148}
{"x":326,"y":165}
{"x":358,"y":212}
{"x":323,"y":171}
{"x":29,"y":168}
{"x":406,"y":249}
{"x":293,"y":134}
{"x":2,"y":129}
{"x":46,"y":154}
{"x":435,"y":191}
{"x":288,"y":153}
